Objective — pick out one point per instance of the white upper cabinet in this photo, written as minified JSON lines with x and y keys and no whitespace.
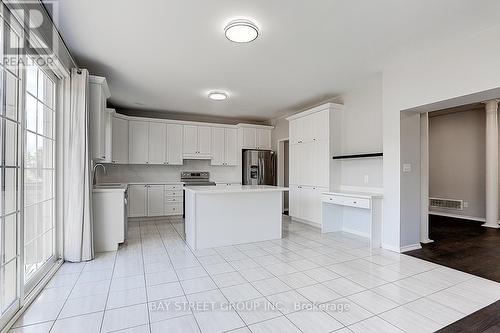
{"x":190,"y":140}
{"x":98,"y":94}
{"x":119,"y":140}
{"x":157,"y":143}
{"x":263,"y":139}
{"x":231,"y":146}
{"x":197,"y":142}
{"x":249,"y":138}
{"x":224,"y":146}
{"x":174,"y":144}
{"x":138,"y":142}
{"x":218,"y":144}
{"x":204,"y":140}
{"x":255,"y":137}
{"x":320,"y":124}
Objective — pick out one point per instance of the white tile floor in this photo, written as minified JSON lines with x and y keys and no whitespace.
{"x":305,"y":282}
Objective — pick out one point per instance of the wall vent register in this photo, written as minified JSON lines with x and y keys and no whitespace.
{"x":449,"y":204}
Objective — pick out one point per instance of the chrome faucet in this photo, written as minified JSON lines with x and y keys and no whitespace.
{"x":94,"y":180}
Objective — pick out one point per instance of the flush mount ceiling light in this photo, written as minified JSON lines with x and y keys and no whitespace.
{"x":217,"y":95}
{"x":241,"y":31}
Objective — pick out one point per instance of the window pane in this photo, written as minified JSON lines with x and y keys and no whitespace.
{"x":47,"y":158}
{"x":10,"y":143}
{"x":30,"y":223}
{"x":31,"y":185}
{"x":45,"y":119}
{"x":47,"y":246}
{"x":30,"y":160}
{"x":10,"y":192}
{"x":45,"y":215}
{"x":8,"y":283}
{"x":11,"y":43}
{"x":10,"y":237}
{"x":48,"y":184}
{"x":31,"y":79}
{"x":30,"y":113}
{"x":30,"y":259}
{"x":11,"y":96}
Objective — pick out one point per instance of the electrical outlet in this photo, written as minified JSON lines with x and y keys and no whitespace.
{"x":366,"y":179}
{"x":406,"y":167}
{"x":466,"y":204}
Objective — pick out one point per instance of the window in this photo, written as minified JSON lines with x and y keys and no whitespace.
{"x":10,"y":169}
{"x":39,"y":171}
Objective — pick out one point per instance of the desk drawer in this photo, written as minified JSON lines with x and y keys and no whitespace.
{"x":173,"y":199}
{"x":174,"y":193}
{"x":177,"y":187}
{"x":346,"y":201}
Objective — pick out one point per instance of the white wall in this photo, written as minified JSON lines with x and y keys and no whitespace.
{"x":358,"y":129}
{"x":146,"y":173}
{"x":449,"y":69}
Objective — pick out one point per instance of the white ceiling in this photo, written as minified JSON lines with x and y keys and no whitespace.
{"x":166,"y":54}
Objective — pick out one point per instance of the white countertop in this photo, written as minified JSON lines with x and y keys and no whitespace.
{"x":117,"y":188}
{"x":356,"y":194}
{"x":234,"y":189}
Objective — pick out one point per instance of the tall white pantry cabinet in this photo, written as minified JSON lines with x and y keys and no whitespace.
{"x":310,"y":158}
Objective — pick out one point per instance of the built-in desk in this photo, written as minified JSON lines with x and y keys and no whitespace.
{"x":353,"y":212}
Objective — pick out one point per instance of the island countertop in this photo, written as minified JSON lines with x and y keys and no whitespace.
{"x":234,"y":189}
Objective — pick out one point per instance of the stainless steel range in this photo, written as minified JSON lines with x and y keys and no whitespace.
{"x":194,"y":178}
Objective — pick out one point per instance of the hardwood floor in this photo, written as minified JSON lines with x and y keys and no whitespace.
{"x":471,"y":248}
{"x":462,"y":245}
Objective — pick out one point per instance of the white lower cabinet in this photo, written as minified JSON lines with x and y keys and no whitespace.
{"x":155,"y":200}
{"x":305,"y":202}
{"x":138,"y":197}
{"x":152,"y":200}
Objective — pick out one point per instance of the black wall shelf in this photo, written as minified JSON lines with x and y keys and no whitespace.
{"x":342,"y":157}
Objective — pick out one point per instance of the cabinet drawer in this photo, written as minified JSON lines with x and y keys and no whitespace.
{"x":174,"y":193}
{"x":176,"y":187}
{"x":173,"y":209}
{"x":173,"y":199}
{"x":347,"y":201}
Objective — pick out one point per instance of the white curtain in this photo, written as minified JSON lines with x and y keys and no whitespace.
{"x":78,"y":238}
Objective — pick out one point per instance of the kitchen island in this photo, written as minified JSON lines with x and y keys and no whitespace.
{"x":221,"y":216}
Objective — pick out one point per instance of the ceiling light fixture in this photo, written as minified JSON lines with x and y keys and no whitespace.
{"x":241,"y":31}
{"x":217,"y":95}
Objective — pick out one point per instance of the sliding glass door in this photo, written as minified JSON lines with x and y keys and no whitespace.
{"x":10,"y":178}
{"x":39,"y":174}
{"x":28,"y":205}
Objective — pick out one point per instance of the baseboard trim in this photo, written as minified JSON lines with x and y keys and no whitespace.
{"x":410,"y":248}
{"x":309,"y":223}
{"x":456,"y":216}
{"x":391,"y":248}
{"x":355,"y":232}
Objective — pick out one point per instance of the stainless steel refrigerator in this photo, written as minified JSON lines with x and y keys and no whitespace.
{"x":259,"y":167}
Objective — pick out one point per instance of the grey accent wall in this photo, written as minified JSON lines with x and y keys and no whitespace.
{"x":457,"y":159}
{"x":410,"y":180}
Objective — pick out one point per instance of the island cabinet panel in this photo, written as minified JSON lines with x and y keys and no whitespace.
{"x":156,"y":200}
{"x":157,"y":143}
{"x":174,"y":144}
{"x":119,"y":141}
{"x":138,"y":196}
{"x":138,"y":142}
